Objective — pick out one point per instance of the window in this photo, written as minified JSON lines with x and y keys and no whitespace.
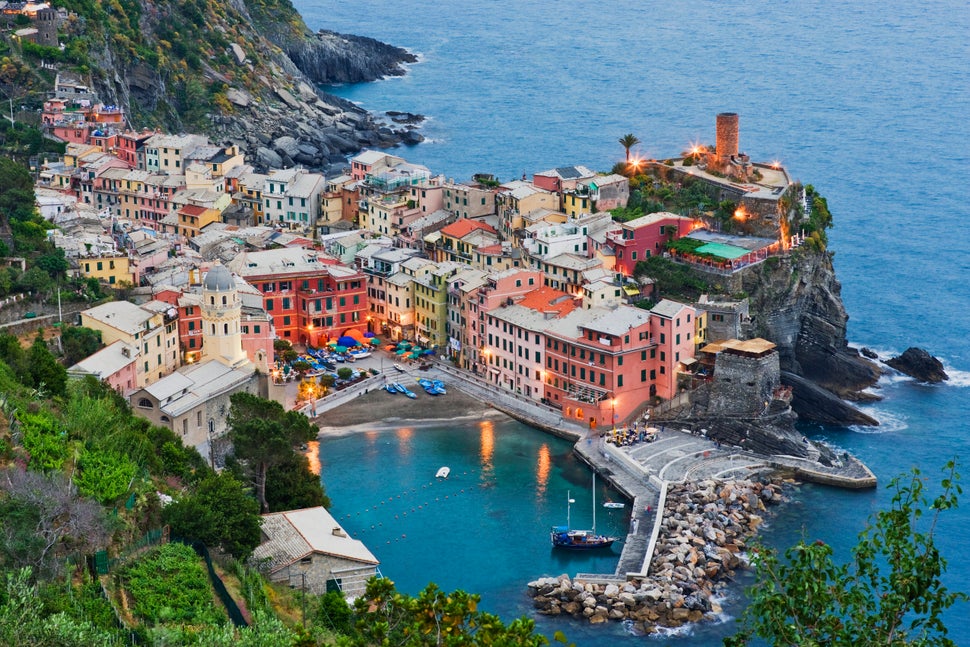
{"x":619,"y":381}
{"x":269,"y":305}
{"x":145,"y":403}
{"x":286,"y":320}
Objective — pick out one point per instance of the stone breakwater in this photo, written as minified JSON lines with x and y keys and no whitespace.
{"x":703,"y":535}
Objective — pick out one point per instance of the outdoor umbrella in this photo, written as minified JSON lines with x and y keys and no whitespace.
{"x":346,"y":341}
{"x":369,"y":334}
{"x":340,"y":349}
{"x":375,"y":340}
{"x":400,"y":352}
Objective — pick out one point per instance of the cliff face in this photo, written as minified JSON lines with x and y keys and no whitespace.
{"x":239,"y":70}
{"x":796,"y":303}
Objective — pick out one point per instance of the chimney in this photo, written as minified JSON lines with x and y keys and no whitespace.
{"x":338,"y":532}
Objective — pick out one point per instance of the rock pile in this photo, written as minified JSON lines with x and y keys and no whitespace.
{"x":702,"y":538}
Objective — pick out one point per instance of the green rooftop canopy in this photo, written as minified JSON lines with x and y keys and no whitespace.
{"x":729,"y":252}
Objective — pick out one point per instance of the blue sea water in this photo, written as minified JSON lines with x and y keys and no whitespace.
{"x":868,"y":101}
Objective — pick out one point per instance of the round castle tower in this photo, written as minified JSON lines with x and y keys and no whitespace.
{"x":221,"y":314}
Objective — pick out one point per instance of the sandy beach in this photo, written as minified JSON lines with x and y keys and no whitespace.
{"x":379,"y":410}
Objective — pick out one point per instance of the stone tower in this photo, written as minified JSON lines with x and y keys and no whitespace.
{"x":221,"y":313}
{"x":727,"y":136}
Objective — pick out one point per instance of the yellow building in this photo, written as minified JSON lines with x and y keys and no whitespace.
{"x":107,"y":269}
{"x":151,"y":329}
{"x":431,"y":304}
{"x":192,"y":218}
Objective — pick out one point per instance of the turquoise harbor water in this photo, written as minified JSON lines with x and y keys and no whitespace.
{"x":866,"y":100}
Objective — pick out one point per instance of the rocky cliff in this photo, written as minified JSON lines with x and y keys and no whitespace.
{"x":239,"y":70}
{"x":796,"y":303}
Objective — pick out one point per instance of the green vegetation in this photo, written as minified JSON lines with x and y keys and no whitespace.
{"x":219,"y":513}
{"x":889,"y":593}
{"x":264,"y":436}
{"x":169,"y":584}
{"x":628,"y":141}
{"x":385,"y":617}
{"x":674,"y":281}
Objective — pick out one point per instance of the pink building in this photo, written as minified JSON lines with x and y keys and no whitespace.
{"x":639,"y":239}
{"x":515,"y":340}
{"x":114,"y":364}
{"x":499,"y":288}
{"x":672,"y":328}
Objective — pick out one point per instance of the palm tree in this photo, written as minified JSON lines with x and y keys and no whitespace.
{"x":628,"y":141}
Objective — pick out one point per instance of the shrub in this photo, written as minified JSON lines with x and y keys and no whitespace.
{"x":169,"y":584}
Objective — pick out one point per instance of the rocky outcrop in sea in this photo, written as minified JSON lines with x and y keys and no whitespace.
{"x":920,"y":365}
{"x":704,"y":534}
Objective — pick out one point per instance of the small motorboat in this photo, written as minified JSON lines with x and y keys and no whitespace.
{"x":443,"y":473}
{"x":399,"y":368}
{"x":614,"y":505}
{"x":390,"y":388}
{"x":399,"y":388}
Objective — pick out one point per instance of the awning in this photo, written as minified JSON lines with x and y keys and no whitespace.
{"x":631,"y":290}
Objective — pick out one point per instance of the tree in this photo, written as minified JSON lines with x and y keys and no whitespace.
{"x":628,"y":141}
{"x":219,"y":513}
{"x":344,"y":373}
{"x":44,"y":519}
{"x":79,"y":343}
{"x":25,"y":621}
{"x":291,"y":485}
{"x":45,"y":370}
{"x":889,"y":593}
{"x":385,"y":617}
{"x":263,"y":434}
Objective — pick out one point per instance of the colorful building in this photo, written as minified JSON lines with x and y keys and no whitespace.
{"x":311,"y":298}
{"x":643,"y":237}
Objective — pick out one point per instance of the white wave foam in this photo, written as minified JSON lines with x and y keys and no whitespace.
{"x":889,"y":422}
{"x":958,"y":378}
{"x":672,"y":632}
{"x":882,"y":354}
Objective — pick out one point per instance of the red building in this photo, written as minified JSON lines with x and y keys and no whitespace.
{"x":310,"y":296}
{"x":639,"y":239}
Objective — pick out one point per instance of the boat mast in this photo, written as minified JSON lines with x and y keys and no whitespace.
{"x":594,"y":503}
{"x":569,"y":500}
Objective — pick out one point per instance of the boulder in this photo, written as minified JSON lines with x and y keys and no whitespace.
{"x":286,"y":145}
{"x":268,"y":158}
{"x":412,"y":137}
{"x":238,"y":97}
{"x":920,"y":365}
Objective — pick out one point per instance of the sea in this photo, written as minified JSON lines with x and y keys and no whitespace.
{"x":868,"y":101}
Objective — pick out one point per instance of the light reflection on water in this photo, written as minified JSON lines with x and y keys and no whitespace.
{"x":543,"y":467}
{"x":404,"y":441}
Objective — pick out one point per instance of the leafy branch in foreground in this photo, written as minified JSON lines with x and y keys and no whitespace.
{"x":890,"y":593}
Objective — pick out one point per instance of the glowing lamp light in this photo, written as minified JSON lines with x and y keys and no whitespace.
{"x":740,"y":213}
{"x":775,"y":164}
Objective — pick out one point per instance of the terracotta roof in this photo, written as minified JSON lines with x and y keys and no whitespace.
{"x":192,"y":210}
{"x":548,"y":299}
{"x":462,"y":228}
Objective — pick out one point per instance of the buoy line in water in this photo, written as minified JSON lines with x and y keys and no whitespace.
{"x":401,"y":515}
{"x":391,"y":498}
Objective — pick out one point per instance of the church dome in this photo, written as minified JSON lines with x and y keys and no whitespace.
{"x":218,"y":279}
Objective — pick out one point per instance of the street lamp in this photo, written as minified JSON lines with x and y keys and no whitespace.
{"x":613,"y":411}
